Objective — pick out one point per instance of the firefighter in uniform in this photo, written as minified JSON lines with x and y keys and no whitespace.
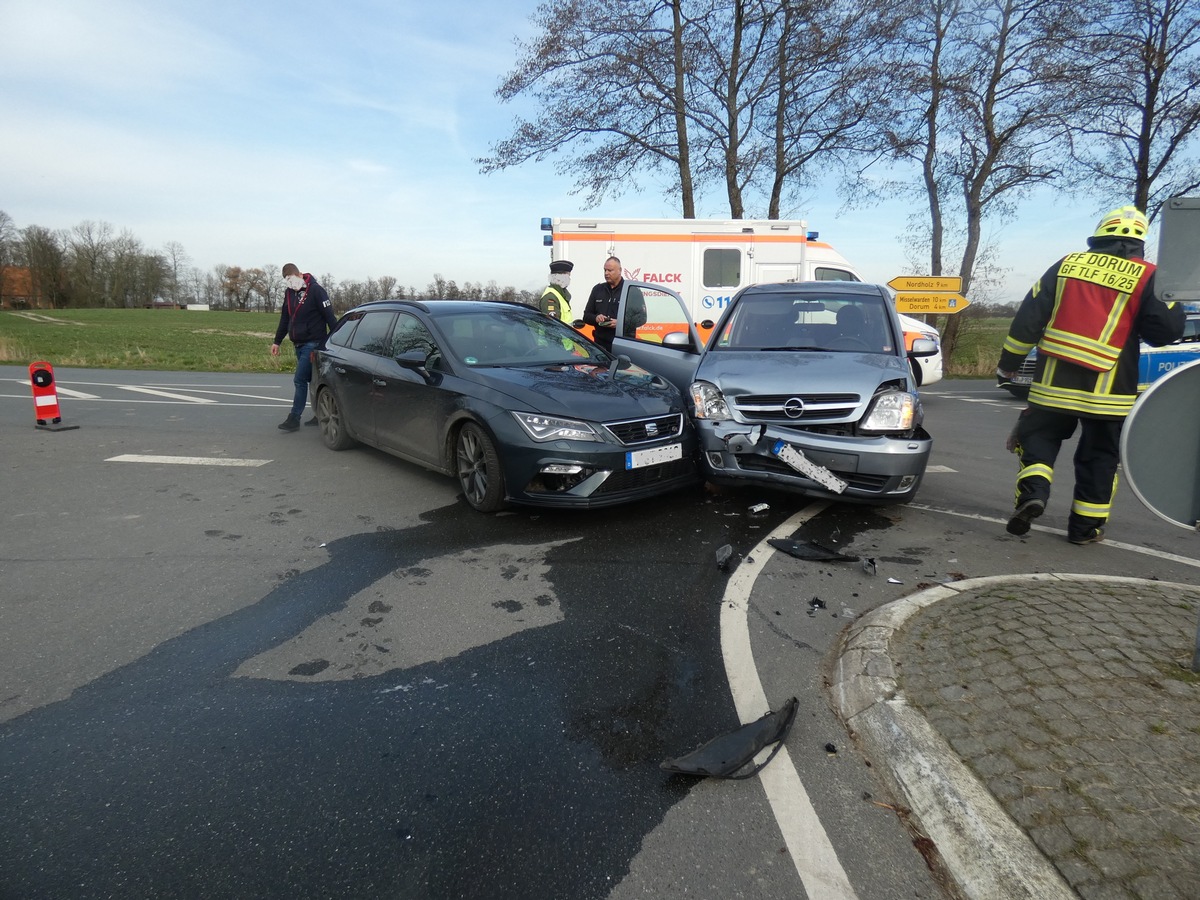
{"x":1086,"y":315}
{"x":556,"y":299}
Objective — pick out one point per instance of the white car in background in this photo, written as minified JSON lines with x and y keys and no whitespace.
{"x":926,"y":369}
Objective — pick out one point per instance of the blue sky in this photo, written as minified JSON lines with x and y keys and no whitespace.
{"x":340,"y":136}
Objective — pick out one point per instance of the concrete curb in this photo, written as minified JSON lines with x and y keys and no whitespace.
{"x":989,"y":856}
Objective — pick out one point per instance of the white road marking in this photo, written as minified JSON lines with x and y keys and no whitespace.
{"x":187,"y":460}
{"x":231,"y":394}
{"x":941,"y":469}
{"x":167,"y":394}
{"x":59,"y":389}
{"x":810,"y":848}
{"x":1120,"y":545}
{"x":166,"y":391}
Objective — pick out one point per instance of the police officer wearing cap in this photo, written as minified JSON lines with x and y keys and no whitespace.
{"x":1087,"y":316}
{"x":556,"y":299}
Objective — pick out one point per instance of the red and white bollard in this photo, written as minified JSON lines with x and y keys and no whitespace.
{"x":45,"y":398}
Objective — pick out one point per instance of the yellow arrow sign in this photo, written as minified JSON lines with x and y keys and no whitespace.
{"x":926,"y":283}
{"x":931,"y":303}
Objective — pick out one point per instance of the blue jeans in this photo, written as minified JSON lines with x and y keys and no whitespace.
{"x":304,"y":372}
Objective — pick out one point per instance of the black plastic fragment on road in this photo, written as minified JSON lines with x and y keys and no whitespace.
{"x":809,"y":550}
{"x":725,"y":756}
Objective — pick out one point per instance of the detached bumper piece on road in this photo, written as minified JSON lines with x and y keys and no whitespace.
{"x":727,"y":755}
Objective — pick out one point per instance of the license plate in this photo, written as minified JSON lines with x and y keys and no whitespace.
{"x":638,"y":459}
{"x":1022,"y":379}
{"x":795,"y":458}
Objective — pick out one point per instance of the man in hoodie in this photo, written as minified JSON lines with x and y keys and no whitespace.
{"x":306,"y":319}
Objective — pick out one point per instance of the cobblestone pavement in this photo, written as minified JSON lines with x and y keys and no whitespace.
{"x":1073,"y":702}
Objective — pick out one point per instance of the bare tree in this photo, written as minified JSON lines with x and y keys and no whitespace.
{"x":89,"y":245}
{"x":8,"y":246}
{"x":177,"y":261}
{"x":272,"y":286}
{"x":239,"y":286}
{"x":610,"y":82}
{"x":385,"y":287}
{"x":832,"y":86}
{"x":992,"y":86}
{"x":44,"y":254}
{"x":1144,"y":87}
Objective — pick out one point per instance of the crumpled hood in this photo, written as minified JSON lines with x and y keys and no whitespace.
{"x":738,"y":372}
{"x":585,"y":391}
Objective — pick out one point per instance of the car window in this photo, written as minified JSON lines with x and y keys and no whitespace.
{"x":371,"y":335}
{"x":410,"y":333}
{"x":340,"y":336}
{"x":507,"y":337}
{"x":811,"y":321}
{"x":660,"y":314}
{"x":824,"y":273}
{"x":722,"y":267}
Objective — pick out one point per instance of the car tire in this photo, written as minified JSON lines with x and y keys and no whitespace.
{"x":331,"y":421}
{"x":477,"y":465}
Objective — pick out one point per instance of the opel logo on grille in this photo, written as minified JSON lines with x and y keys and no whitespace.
{"x":793,"y":408}
{"x":651,"y":429}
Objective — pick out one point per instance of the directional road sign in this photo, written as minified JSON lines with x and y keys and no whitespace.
{"x":931,"y":303}
{"x":926,"y":283}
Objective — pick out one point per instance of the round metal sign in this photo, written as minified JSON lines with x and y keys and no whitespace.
{"x":1160,"y":447}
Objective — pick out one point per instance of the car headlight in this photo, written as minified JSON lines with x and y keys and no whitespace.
{"x":893,"y":411}
{"x":708,"y":401}
{"x":552,"y":428}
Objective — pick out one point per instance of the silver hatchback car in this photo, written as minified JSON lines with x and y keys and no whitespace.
{"x":804,"y":387}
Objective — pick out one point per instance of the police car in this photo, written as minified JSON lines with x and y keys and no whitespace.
{"x":1153,"y":363}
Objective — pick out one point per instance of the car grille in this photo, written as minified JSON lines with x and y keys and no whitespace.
{"x":632,"y":479}
{"x":1028,"y":365}
{"x":770,"y":407}
{"x":644,"y":431}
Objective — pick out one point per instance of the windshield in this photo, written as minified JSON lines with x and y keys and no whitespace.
{"x":514,"y":337}
{"x":834,"y":322}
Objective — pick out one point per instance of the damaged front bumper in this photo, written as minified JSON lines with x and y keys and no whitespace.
{"x":856,"y":468}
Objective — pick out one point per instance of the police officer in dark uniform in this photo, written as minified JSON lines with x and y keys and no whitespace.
{"x":1086,"y":315}
{"x":604,"y":302}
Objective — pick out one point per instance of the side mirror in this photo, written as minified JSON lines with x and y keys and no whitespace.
{"x":923,"y":347}
{"x":677,"y":339}
{"x":418,"y":361}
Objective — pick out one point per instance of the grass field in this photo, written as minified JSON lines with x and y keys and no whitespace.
{"x":173,"y":340}
{"x":177,"y":340}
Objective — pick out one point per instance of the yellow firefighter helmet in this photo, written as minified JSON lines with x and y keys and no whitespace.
{"x":1126,"y":222}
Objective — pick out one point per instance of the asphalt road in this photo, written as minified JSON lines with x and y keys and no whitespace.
{"x":319,"y":674}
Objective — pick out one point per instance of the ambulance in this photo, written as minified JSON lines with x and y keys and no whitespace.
{"x":707,"y":261}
